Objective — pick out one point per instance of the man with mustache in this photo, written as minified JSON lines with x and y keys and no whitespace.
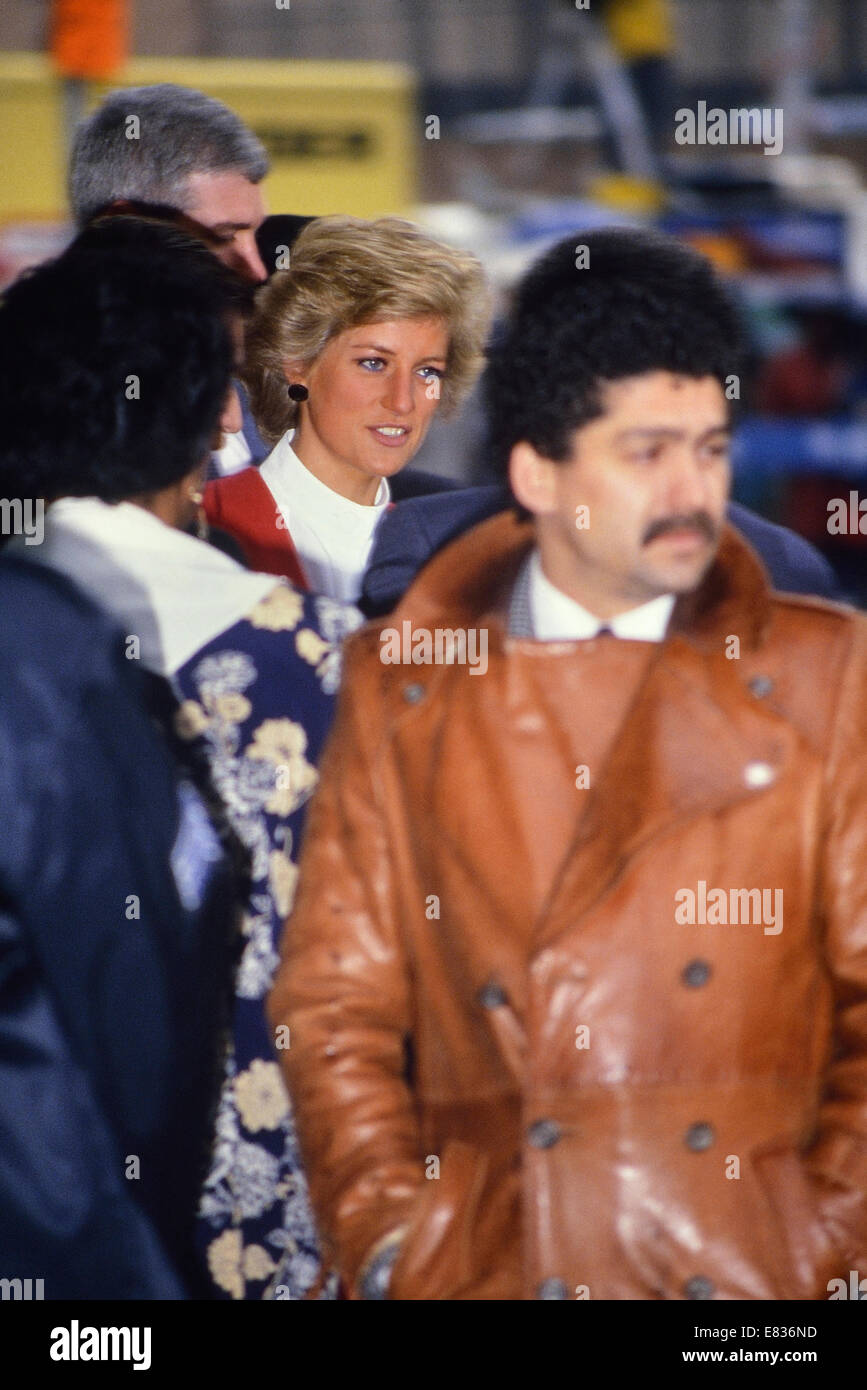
{"x":412,"y":532}
{"x":524,"y":1065}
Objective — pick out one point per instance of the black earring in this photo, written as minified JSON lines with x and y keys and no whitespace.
{"x":296,"y":392}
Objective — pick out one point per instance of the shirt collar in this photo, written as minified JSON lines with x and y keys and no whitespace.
{"x":557,"y":618}
{"x":174,"y":592}
{"x":293,"y":485}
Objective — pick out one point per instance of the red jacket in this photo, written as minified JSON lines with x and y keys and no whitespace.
{"x":242,"y":505}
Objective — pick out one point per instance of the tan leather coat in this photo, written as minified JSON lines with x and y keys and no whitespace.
{"x":707,"y":1137}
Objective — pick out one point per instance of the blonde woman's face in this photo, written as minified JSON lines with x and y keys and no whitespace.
{"x":373,"y":392}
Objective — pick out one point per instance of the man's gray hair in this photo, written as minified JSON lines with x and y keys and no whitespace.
{"x":177,"y":132}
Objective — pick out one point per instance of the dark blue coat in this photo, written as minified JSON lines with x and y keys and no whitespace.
{"x":410,"y":533}
{"x":108,"y":1015}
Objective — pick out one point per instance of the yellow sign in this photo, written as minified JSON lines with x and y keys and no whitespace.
{"x":341,"y":135}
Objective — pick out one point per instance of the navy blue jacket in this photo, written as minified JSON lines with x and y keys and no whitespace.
{"x":109,"y":1014}
{"x":410,"y":533}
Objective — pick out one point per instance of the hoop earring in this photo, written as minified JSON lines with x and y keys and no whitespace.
{"x":297,"y":393}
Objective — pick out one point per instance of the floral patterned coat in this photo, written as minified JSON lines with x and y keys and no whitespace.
{"x":260,"y":698}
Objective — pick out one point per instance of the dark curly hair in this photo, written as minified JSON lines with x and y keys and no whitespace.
{"x":115,"y":361}
{"x":598,"y":307}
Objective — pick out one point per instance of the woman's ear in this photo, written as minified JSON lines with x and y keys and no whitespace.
{"x":532,"y":478}
{"x":295,"y":372}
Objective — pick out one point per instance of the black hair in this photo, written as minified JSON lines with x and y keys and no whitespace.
{"x":241,"y":292}
{"x":115,"y":361}
{"x":598,"y":307}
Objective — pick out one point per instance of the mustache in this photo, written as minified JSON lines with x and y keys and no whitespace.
{"x":693,"y":521}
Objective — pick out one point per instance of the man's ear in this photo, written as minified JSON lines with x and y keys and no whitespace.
{"x":532,"y":478}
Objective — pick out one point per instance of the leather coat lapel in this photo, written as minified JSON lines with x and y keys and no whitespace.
{"x":693,"y":743}
{"x":686,"y":747}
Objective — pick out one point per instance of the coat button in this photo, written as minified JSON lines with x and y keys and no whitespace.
{"x":492,"y":995}
{"x":697,"y":973}
{"x":759,"y":774}
{"x":761,"y":686}
{"x":544,"y":1134}
{"x":413,"y":693}
{"x":698,"y":1287}
{"x":699,"y":1137}
{"x":552,"y":1288}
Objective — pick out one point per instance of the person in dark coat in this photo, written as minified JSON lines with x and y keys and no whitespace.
{"x":116,"y":926}
{"x":252,"y":664}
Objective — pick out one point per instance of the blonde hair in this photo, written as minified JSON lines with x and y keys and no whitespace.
{"x":345,"y":272}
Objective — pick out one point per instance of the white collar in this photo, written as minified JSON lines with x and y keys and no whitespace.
{"x":293,"y":486}
{"x":558,"y":618}
{"x":234,"y":455}
{"x":173,"y":592}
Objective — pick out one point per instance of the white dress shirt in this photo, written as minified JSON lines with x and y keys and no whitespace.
{"x":558,"y":618}
{"x":332,"y":534}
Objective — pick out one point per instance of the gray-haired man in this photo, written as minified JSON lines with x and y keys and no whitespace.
{"x":168,"y":148}
{"x":174,"y":146}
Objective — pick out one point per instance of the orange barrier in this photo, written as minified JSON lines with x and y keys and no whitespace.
{"x":89,"y":38}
